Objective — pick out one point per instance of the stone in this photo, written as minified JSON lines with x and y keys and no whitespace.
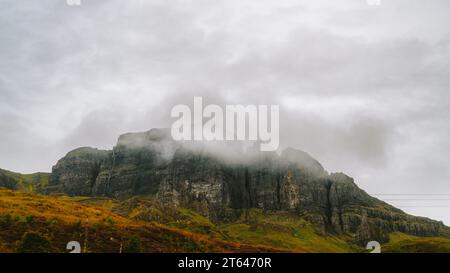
{"x":227,"y":177}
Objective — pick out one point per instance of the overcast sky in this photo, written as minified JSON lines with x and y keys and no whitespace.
{"x":364,"y":89}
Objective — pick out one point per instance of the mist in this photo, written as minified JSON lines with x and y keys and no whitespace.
{"x":363,"y":89}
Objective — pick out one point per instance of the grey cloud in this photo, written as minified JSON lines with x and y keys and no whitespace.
{"x":363,"y":89}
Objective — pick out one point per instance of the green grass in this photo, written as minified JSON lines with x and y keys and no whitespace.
{"x":28,"y":182}
{"x":150,"y":210}
{"x":62,"y":219}
{"x":281,"y":230}
{"x":403,"y":243}
{"x":168,"y":228}
{"x":285,"y":230}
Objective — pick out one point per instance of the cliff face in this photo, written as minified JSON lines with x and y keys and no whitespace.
{"x":218,"y":181}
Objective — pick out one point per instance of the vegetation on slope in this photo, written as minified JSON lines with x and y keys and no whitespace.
{"x":283,"y":230}
{"x":59,"y":219}
{"x":403,"y":243}
{"x":34,"y":182}
{"x":30,"y":222}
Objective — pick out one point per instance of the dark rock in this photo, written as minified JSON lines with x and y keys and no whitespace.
{"x":78,"y":171}
{"x":212,"y":179}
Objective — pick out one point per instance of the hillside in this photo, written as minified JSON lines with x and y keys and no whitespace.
{"x":159,"y":228}
{"x":194,"y":197}
{"x":220,"y":180}
{"x":35,"y":182}
{"x":60,"y":219}
{"x":403,"y":243}
{"x":109,"y":225}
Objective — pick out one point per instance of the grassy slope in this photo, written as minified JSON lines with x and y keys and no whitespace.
{"x":28,"y":182}
{"x":285,"y":230}
{"x":403,"y":243}
{"x":280,"y":230}
{"x":63,"y":219}
{"x":169,"y":229}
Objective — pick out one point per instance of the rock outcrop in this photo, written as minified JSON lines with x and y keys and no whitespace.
{"x":219,"y":179}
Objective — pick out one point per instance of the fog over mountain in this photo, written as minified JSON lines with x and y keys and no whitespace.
{"x":364,"y":89}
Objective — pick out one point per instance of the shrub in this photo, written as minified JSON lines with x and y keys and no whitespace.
{"x":133,"y":246}
{"x":5,"y":221}
{"x":33,"y":242}
{"x":29,"y":219}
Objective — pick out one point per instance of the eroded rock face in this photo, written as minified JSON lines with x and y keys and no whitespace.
{"x":213,"y":180}
{"x":77,"y":172}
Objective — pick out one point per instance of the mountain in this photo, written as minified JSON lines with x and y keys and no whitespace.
{"x":31,"y":222}
{"x":224,"y":181}
{"x":24,"y":182}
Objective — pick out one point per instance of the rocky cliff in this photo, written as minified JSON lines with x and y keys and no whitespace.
{"x":220,"y":180}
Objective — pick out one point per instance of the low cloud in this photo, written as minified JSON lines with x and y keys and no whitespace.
{"x":364,"y":89}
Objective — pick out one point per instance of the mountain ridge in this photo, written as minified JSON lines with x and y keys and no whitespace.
{"x":219,"y":180}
